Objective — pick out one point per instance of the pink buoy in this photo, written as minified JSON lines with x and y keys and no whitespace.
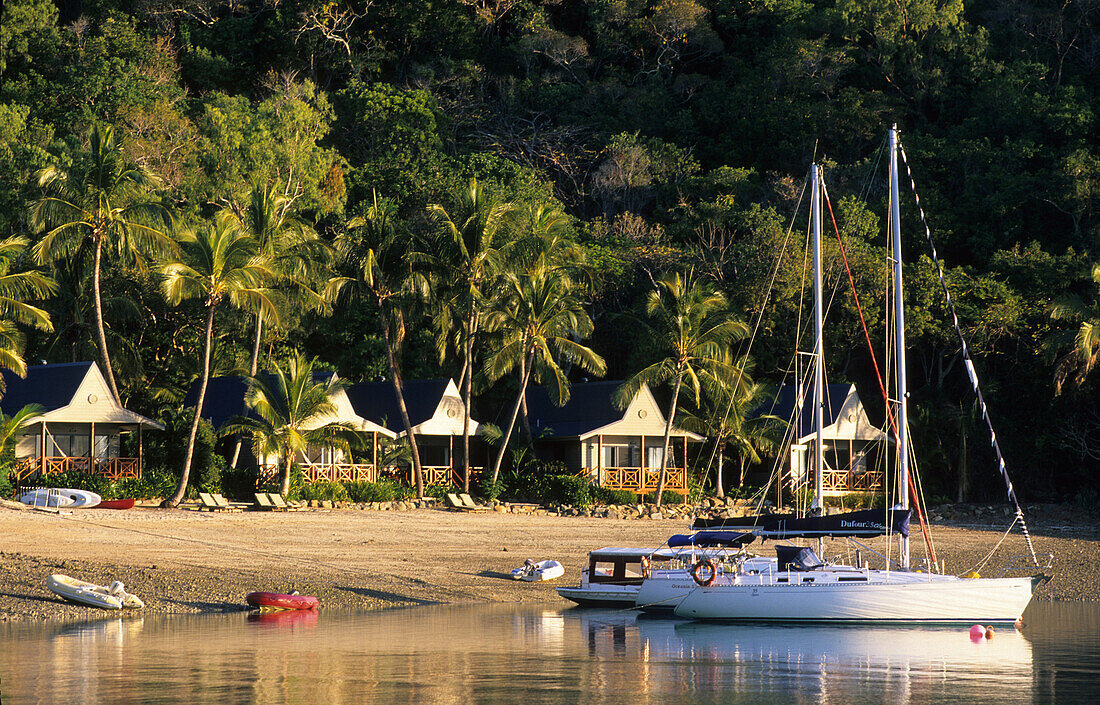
{"x":977,"y":632}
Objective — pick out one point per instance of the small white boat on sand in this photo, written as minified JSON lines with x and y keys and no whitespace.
{"x":61,"y":498}
{"x":112,"y":597}
{"x":533,"y":571}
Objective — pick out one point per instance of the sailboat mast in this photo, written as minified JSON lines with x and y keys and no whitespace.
{"x":819,"y":352}
{"x":899,"y":343}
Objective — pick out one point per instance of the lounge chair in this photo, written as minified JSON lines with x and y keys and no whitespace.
{"x":263,"y":503}
{"x":281,"y":505}
{"x":469,"y":504}
{"x":207,"y":503}
{"x":226,"y":505}
{"x":453,"y":502}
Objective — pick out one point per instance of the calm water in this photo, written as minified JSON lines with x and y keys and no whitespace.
{"x":542,"y":654}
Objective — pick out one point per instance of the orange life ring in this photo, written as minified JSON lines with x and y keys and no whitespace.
{"x":645,"y":566}
{"x":709,"y":567}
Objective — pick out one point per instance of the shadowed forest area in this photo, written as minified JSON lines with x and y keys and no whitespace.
{"x":388,"y":187}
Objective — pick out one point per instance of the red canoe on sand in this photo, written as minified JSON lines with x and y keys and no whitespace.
{"x":281,"y":601}
{"x":116,"y":504}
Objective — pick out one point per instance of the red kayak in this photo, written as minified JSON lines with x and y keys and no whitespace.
{"x":280,"y":601}
{"x":116,"y":504}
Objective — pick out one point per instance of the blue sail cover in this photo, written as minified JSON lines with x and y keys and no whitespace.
{"x":866,"y":523}
{"x":711,"y":538}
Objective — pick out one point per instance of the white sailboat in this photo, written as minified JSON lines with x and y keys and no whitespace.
{"x":807,"y":590}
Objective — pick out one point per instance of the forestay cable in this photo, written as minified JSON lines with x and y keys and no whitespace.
{"x":971,"y":371}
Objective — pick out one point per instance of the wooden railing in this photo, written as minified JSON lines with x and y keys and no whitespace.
{"x":331,"y":472}
{"x":639,"y":480}
{"x":848,"y":481}
{"x":437,"y":475}
{"x":110,"y":468}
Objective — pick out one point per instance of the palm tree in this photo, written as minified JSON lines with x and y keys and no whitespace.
{"x":15,"y":289}
{"x":219,"y":263}
{"x":378,"y":271}
{"x":295,"y":253}
{"x":545,"y":245}
{"x":1085,"y":350}
{"x":470,"y":237}
{"x":99,"y":202}
{"x":695,"y":329}
{"x":289,"y":406}
{"x":726,"y":416}
{"x":539,"y":317}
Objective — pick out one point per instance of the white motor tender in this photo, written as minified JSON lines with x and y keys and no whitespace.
{"x":533,"y":571}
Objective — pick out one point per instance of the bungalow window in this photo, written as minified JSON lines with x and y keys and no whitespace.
{"x":75,"y":445}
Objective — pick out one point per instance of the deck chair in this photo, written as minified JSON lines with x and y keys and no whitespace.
{"x":225,"y":505}
{"x":263,"y":503}
{"x":281,"y":504}
{"x":468,"y":503}
{"x":207,"y":503}
{"x":453,"y":502}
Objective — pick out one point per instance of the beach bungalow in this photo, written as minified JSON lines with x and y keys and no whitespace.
{"x":616,"y":448}
{"x":225,"y":398}
{"x":849,"y":439}
{"x":435,"y":411}
{"x":81,"y":428}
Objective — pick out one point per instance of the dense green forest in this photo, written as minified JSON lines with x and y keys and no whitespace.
{"x":649,"y":136}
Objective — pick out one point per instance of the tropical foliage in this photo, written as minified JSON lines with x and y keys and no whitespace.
{"x":620,"y":142}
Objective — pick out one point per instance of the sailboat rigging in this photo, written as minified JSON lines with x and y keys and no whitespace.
{"x":856,"y":593}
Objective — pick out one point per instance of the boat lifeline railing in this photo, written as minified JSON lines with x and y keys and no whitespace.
{"x":1021,"y":563}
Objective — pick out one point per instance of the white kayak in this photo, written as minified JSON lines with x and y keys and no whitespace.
{"x":61,"y":498}
{"x":112,"y":597}
{"x":532,"y":571}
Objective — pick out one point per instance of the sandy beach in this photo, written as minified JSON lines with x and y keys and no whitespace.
{"x":182,"y":561}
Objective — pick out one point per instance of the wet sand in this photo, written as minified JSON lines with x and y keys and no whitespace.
{"x":182,"y":561}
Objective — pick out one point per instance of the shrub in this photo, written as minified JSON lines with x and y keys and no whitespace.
{"x":239,"y":482}
{"x":439,"y":491}
{"x":385,"y":490}
{"x":568,"y":489}
{"x":332,"y":491}
{"x":602,"y":495}
{"x":169,"y":450}
{"x":5,"y":483}
{"x":667,"y":497}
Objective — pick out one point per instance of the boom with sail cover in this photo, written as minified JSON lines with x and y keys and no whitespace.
{"x":865,"y":523}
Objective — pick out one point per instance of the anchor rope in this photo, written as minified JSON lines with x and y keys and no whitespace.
{"x":971,"y":371}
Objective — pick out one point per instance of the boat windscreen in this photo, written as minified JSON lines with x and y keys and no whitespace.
{"x":797,"y":558}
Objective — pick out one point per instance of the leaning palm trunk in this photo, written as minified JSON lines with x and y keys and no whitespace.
{"x":186,"y":474}
{"x":511,"y":421}
{"x":467,"y":389}
{"x":668,"y":434}
{"x":288,"y":464}
{"x":252,"y":369}
{"x":102,"y":333}
{"x":719,"y":491}
{"x":398,"y":388}
{"x":523,"y":413}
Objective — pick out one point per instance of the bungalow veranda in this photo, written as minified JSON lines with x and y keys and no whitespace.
{"x":615,"y":448}
{"x":81,"y":427}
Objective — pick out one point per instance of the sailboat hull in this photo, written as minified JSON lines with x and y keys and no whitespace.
{"x":899,"y":598}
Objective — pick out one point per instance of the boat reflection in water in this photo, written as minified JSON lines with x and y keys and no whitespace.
{"x":533,"y":653}
{"x":817,"y":664}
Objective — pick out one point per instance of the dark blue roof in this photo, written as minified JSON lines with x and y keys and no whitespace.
{"x":785,"y":402}
{"x":589,"y":407}
{"x":49,"y":386}
{"x":225,"y":397}
{"x":377,"y":401}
